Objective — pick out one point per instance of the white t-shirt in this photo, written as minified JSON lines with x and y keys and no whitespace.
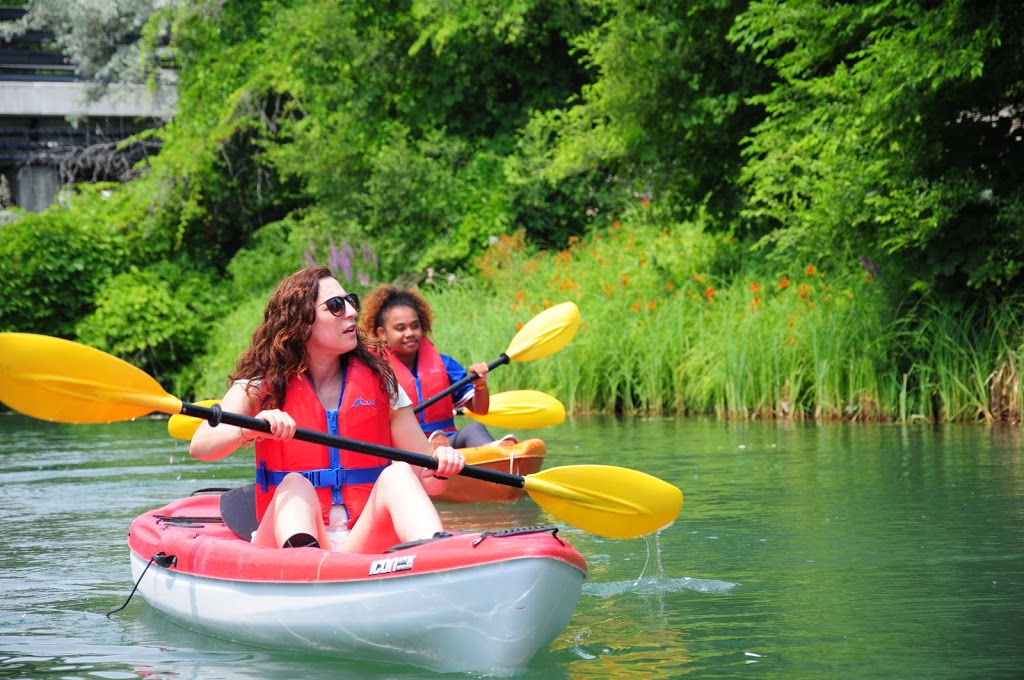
{"x":401,"y":399}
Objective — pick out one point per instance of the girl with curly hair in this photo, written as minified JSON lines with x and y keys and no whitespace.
{"x":402,"y":318}
{"x":308,"y":365}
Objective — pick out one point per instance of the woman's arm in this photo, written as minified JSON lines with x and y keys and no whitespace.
{"x":407,"y":435}
{"x":214,"y":443}
{"x":481,"y":399}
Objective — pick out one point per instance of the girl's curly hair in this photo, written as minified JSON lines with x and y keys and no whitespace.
{"x":384,"y":297}
{"x":278,"y":347}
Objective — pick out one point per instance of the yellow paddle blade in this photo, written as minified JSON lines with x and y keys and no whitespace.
{"x":606,"y":500}
{"x":521,"y":409}
{"x":546,"y":333}
{"x":181,"y":426}
{"x":53,"y":379}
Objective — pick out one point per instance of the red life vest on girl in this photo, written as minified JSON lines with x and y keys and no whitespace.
{"x":339,"y":475}
{"x":431,"y":377}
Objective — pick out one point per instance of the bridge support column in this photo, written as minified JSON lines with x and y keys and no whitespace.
{"x":34,"y":187}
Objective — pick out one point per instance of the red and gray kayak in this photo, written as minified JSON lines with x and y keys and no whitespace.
{"x":477,"y":602}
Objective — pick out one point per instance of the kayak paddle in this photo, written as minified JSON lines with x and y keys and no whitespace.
{"x":54,"y":379}
{"x":516,"y":409}
{"x":543,"y":335}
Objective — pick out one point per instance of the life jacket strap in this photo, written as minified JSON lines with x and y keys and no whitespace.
{"x":324,"y":478}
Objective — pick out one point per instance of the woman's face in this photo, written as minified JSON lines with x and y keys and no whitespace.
{"x":402,"y":331}
{"x":333,"y":334}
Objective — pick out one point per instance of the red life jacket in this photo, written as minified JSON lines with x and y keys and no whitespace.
{"x":340,"y":476}
{"x":431,"y":377}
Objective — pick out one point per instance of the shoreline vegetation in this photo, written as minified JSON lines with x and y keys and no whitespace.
{"x":767,"y":343}
{"x":661,"y":336}
{"x":765,"y":210}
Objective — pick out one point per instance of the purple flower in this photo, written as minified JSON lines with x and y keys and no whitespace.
{"x":871,"y":267}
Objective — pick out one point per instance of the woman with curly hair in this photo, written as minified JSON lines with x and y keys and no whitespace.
{"x":402,"y":318}
{"x":308,"y":365}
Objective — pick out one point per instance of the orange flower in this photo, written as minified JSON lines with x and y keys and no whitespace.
{"x":709,"y":292}
{"x":652,"y":304}
{"x":644,"y":202}
{"x":804,"y":289}
{"x":616,"y":224}
{"x":755,"y":287}
{"x":669,"y":286}
{"x":757,"y":300}
{"x":643,"y":261}
{"x":625,"y":280}
{"x":635,"y":307}
{"x":520,"y":295}
{"x":784,"y":283}
{"x":698,"y":278}
{"x":519,"y":326}
{"x":811,"y":270}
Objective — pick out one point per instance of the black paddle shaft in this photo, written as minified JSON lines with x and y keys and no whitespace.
{"x":215,"y":415}
{"x":500,"y":361}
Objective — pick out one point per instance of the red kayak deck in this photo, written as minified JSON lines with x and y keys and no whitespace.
{"x":209,"y":549}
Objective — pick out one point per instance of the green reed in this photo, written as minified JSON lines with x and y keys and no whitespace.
{"x":660,"y":334}
{"x":663,"y":330}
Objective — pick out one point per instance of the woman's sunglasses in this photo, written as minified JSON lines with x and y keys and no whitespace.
{"x":336,"y":305}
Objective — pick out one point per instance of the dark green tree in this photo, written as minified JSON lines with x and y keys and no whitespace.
{"x":892,"y":134}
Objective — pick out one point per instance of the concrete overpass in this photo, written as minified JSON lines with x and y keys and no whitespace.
{"x":51,"y":133}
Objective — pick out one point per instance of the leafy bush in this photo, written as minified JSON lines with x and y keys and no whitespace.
{"x":50,"y":267}
{"x":156,"y":318}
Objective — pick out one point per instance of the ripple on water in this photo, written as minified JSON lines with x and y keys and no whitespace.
{"x":657,"y":586}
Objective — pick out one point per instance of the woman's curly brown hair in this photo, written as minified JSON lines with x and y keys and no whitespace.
{"x":278,"y":347}
{"x":385,"y":297}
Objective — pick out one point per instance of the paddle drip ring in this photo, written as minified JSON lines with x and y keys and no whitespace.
{"x":218,"y":413}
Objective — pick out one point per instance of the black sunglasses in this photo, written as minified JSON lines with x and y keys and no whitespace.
{"x":336,"y":305}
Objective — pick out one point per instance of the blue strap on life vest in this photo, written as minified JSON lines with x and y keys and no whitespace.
{"x":324,"y":478}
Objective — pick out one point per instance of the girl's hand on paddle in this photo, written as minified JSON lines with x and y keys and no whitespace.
{"x":282,"y":425}
{"x":481,"y":370}
{"x":449,"y":461}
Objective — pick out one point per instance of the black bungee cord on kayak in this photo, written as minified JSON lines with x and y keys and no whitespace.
{"x":162,"y":559}
{"x":515,"y":531}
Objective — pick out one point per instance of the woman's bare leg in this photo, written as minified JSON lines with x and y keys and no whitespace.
{"x":397,"y":510}
{"x":294,"y":511}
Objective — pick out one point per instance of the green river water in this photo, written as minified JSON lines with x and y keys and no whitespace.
{"x":802,"y":551}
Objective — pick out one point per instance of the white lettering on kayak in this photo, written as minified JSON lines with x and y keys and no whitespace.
{"x":390,"y":565}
